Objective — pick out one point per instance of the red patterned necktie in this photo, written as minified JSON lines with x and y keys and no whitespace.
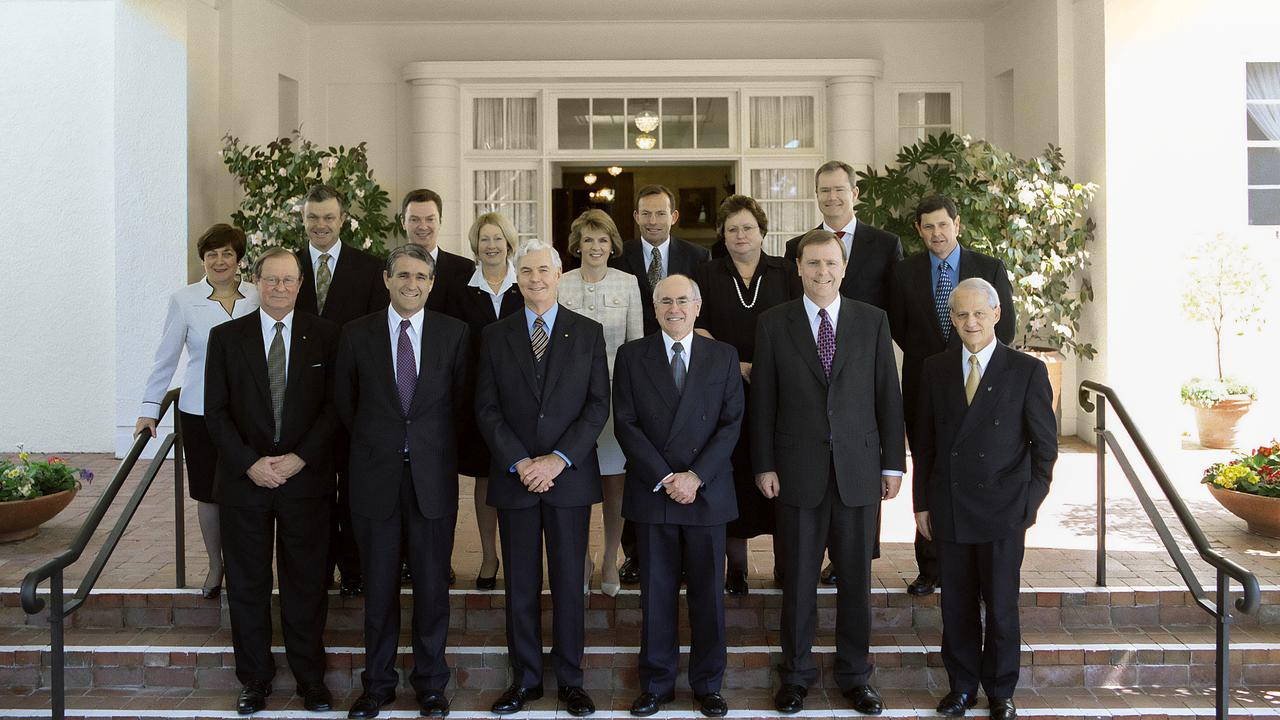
{"x":826,"y":341}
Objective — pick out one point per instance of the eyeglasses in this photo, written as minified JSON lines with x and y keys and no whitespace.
{"x":287,"y":281}
{"x":680,"y":302}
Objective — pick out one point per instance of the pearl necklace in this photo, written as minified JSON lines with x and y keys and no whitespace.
{"x":738,"y":289}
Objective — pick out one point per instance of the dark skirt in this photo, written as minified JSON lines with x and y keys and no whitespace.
{"x":201,"y":457}
{"x":755,"y":511}
{"x":473,"y":451}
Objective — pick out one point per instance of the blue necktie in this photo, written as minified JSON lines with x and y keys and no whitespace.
{"x":940,"y":296}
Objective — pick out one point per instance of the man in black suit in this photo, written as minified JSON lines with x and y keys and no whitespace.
{"x":828,"y":443}
{"x":269,"y":408}
{"x":677,"y":411}
{"x":421,"y":214}
{"x":921,"y":323}
{"x":651,"y":257}
{"x":984,"y":451}
{"x":339,"y":283}
{"x":542,"y":398}
{"x":404,"y":476}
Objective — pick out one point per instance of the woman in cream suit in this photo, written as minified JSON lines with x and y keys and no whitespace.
{"x":193,"y":311}
{"x":611,"y":297}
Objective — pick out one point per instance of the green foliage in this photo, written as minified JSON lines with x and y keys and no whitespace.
{"x":27,"y":479}
{"x":276,"y":177}
{"x":1225,"y":288}
{"x":1256,"y":473}
{"x":1207,"y":393}
{"x":1027,"y":213}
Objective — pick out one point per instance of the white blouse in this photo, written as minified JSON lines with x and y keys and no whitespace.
{"x":191,"y":315}
{"x":477,"y":281}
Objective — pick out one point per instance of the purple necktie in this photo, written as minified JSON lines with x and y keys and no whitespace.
{"x":826,"y":341}
{"x":406,"y":373}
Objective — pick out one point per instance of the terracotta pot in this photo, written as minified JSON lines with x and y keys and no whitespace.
{"x":1261,"y":513}
{"x":21,"y":519}
{"x":1052,"y":360}
{"x":1219,"y":425}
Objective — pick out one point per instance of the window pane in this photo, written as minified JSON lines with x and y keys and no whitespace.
{"x":766,"y":122}
{"x":1262,"y":81}
{"x":1263,"y":120}
{"x":797,"y":122}
{"x":607,"y":120}
{"x":499,"y":186}
{"x":1264,"y":207}
{"x":635,"y":108}
{"x":1264,"y":166}
{"x":573,"y":114}
{"x":487,"y":125}
{"x":677,"y":122}
{"x":921,"y":108}
{"x":522,"y":123}
{"x":713,"y":122}
{"x":911,"y":136}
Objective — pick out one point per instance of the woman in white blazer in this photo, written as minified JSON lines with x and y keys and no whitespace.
{"x":193,"y":311}
{"x":611,"y":297}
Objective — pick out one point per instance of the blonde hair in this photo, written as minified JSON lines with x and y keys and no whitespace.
{"x":594,"y":219}
{"x":504,"y":226}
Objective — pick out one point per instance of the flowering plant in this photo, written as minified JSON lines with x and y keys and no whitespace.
{"x":1026,"y":212}
{"x":275,"y":179}
{"x":27,"y":478}
{"x":1207,"y":393}
{"x":1256,"y":473}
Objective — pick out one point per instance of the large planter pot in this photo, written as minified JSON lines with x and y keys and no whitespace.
{"x":1262,"y":514}
{"x":21,"y":519}
{"x":1218,"y":426}
{"x":1052,"y":360}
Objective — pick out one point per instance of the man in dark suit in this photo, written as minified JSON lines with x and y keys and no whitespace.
{"x":269,"y":408}
{"x":402,"y":380}
{"x":651,"y":257}
{"x":921,"y":323}
{"x":677,"y":411}
{"x":421,"y":214}
{"x":542,"y":398}
{"x":339,"y":283}
{"x":984,"y":451}
{"x":828,"y":442}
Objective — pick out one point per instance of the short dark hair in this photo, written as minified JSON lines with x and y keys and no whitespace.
{"x":818,"y":236}
{"x":413,"y":251}
{"x":735,"y":204}
{"x":934,"y":203}
{"x":219,"y":236}
{"x":277,"y":251}
{"x":422,"y":195}
{"x":832,"y":166}
{"x":321,"y":193}
{"x":648,"y":190}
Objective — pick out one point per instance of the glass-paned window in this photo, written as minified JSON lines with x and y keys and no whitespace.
{"x":921,"y":114}
{"x":608,"y":123}
{"x":783,"y":122}
{"x":512,"y":193}
{"x":673,"y":123}
{"x":574,"y":123}
{"x":677,"y":122}
{"x":713,"y":122}
{"x":1262,"y":133}
{"x":505,"y":123}
{"x":786,"y":196}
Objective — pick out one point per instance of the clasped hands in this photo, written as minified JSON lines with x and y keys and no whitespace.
{"x":682,"y":487}
{"x":274,"y":470}
{"x":539,"y":474}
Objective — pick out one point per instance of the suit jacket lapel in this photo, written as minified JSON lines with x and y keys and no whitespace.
{"x":427,"y":364}
{"x":639,"y":267}
{"x":847,"y":346}
{"x":299,"y":358}
{"x":990,"y":388}
{"x":694,"y":381}
{"x":923,"y":279}
{"x":380,"y":346}
{"x":563,"y":335}
{"x":802,"y":339}
{"x":522,"y":351}
{"x":255,"y":352}
{"x":658,"y":369}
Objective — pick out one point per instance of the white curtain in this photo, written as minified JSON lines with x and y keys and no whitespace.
{"x":522,"y":121}
{"x":766,"y":123}
{"x":1262,"y":82}
{"x":510,"y":192}
{"x":786,"y":196}
{"x":506,"y":123}
{"x":488,"y":124}
{"x":782,"y":122}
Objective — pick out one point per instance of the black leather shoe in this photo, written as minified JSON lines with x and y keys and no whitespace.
{"x":316,"y":698}
{"x":790,"y":699}
{"x":735,"y":583}
{"x":713,"y":705}
{"x":956,"y":703}
{"x":865,"y":700}
{"x":253,"y":697}
{"x":1003,"y":709}
{"x":433,"y":703}
{"x":922,"y":586}
{"x":576,"y":701}
{"x":352,"y":587}
{"x":648,"y":703}
{"x":367,"y":706}
{"x":629,"y":573}
{"x":211,"y":593}
{"x":828,"y":575}
{"x":488,"y":583}
{"x":513,"y":699}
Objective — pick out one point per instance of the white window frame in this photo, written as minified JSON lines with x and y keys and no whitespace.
{"x":541,"y":194}
{"x":467,"y":127}
{"x":551,"y":124}
{"x":819,"y":94}
{"x":952,"y":89}
{"x":1256,"y":144}
{"x":775,"y":242}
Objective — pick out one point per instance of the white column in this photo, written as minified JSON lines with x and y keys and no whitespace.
{"x":436,"y":147}
{"x":851,"y":120}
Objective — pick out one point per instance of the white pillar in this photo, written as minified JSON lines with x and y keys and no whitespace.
{"x":437,"y":145}
{"x":851,"y":120}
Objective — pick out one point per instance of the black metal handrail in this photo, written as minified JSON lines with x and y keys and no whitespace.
{"x":1227,"y":569}
{"x":59,"y":606}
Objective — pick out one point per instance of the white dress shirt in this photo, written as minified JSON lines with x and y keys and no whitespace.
{"x":664,"y":251}
{"x":686,"y":342}
{"x":984,"y":357}
{"x":847,"y":239}
{"x":333,"y":257}
{"x":415,"y":338}
{"x":192,"y":313}
{"x":269,"y":334}
{"x":477,"y":281}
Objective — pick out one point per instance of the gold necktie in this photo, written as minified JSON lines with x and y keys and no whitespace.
{"x":971,"y":382}
{"x":324,"y":276}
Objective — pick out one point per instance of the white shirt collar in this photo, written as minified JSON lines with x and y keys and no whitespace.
{"x":333,"y":255}
{"x":847,"y":229}
{"x":477,"y":281}
{"x":984,"y":358}
{"x":664,"y":251}
{"x":811,"y":309}
{"x":269,"y":324}
{"x":686,"y":343}
{"x":415,"y":322}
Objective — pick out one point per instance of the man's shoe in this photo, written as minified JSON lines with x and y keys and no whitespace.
{"x":956,"y":703}
{"x":514,"y":698}
{"x":316,"y":698}
{"x":367,"y":706}
{"x":713,"y":705}
{"x":790,"y":699}
{"x":576,"y":701}
{"x":629,"y":573}
{"x":829,"y":576}
{"x":865,"y":700}
{"x":433,"y":703}
{"x":735,"y":583}
{"x":253,"y":697}
{"x":922,"y":586}
{"x":352,"y":587}
{"x":1003,"y":709}
{"x":648,"y":703}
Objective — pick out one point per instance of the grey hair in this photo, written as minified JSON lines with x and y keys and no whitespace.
{"x":534,"y":245}
{"x":975,"y":283}
{"x":697,"y":292}
{"x":410,"y":250}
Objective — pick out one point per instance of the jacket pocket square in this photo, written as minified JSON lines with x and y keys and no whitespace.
{"x":318,"y":365}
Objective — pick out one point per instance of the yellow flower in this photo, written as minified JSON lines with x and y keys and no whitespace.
{"x":1232,"y":475}
{"x":24,"y":456}
{"x":12,"y":473}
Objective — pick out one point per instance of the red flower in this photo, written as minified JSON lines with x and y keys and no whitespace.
{"x":55,"y":460}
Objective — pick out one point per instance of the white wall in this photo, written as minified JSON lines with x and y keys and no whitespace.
{"x":1023,"y":37}
{"x":56,"y":149}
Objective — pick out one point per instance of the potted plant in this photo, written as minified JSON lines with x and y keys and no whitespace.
{"x":1249,"y":488}
{"x":33,"y":491}
{"x":1026,"y":212}
{"x":1225,"y":289}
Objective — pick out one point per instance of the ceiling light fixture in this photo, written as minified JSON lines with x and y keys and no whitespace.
{"x":646,"y":141}
{"x":589,"y":178}
{"x":614,"y":170}
{"x":647,"y":121}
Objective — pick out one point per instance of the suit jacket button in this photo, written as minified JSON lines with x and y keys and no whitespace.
{"x":979,"y":484}
{"x":955,"y":454}
{"x":982,"y":454}
{"x":541,"y":415}
{"x":997,"y":421}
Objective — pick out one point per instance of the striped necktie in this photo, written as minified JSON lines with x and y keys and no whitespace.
{"x":539,"y":338}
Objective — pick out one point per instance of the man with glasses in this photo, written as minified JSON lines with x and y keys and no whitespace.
{"x":269,"y":408}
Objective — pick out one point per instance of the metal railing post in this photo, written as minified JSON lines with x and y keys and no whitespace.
{"x":56,"y":644}
{"x":1223,"y":698}
{"x":179,"y":521}
{"x":1100,"y":433}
